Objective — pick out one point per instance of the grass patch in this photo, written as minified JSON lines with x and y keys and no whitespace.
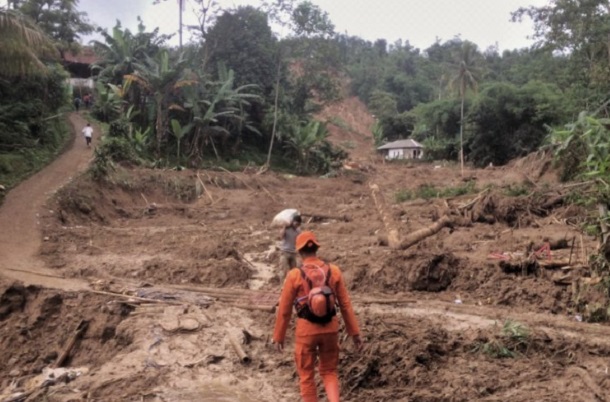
{"x":516,"y":190}
{"x":428,"y":191}
{"x":511,"y":342}
{"x":22,"y":163}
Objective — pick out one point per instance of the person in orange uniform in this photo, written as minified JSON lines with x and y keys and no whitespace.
{"x":315,"y":339}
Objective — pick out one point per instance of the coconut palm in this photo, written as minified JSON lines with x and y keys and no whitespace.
{"x":466,"y":72}
{"x":23,"y":46}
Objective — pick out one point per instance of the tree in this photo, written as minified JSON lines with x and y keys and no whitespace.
{"x":60,"y":19}
{"x":121,"y":50}
{"x":216,"y":107}
{"x":466,"y":72}
{"x":580,"y":28}
{"x":242,"y":41}
{"x":304,"y":139}
{"x":23,"y":46}
{"x":510,"y":121}
{"x":160,"y":80}
{"x":310,"y":20}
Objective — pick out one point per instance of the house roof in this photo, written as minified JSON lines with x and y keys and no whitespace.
{"x":85,"y":56}
{"x":409,"y":143}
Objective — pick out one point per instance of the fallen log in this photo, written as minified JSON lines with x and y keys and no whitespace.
{"x":421,"y":234}
{"x":142,"y":299}
{"x":239,"y":351}
{"x":80,"y":330}
{"x":388,"y":222}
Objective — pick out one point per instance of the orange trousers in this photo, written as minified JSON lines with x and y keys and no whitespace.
{"x":324,"y":347}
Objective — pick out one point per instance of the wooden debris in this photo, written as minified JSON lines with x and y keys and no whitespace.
{"x":417,"y":236}
{"x":205,"y":189}
{"x":239,"y":351}
{"x":343,"y":218}
{"x":390,"y":227}
{"x":135,"y":299}
{"x":237,"y":177}
{"x":80,"y":330}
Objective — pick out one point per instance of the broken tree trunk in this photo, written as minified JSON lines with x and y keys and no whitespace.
{"x":80,"y":330}
{"x":421,"y":234}
{"x":239,"y":351}
{"x":382,"y":208}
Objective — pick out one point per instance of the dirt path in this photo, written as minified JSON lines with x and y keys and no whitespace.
{"x":19,"y":215}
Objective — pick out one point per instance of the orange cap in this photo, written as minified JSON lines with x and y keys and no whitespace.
{"x":305,"y":238}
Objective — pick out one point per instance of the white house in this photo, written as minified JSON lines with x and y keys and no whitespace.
{"x":402,"y":149}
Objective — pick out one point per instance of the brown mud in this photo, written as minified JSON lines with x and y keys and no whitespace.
{"x":447,"y":323}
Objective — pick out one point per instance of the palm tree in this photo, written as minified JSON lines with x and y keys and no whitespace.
{"x":466,"y":72}
{"x":23,"y":46}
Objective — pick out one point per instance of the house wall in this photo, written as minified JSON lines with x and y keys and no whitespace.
{"x":405,"y":153}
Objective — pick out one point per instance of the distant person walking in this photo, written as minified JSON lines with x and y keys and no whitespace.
{"x":288,"y":252}
{"x":76,"y":103}
{"x":88,"y":133}
{"x":87,"y":99}
{"x":315,"y":290}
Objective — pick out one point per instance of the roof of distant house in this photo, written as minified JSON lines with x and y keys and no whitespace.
{"x":85,"y":56}
{"x":400,"y":144}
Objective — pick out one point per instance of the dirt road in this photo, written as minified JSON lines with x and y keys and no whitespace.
{"x":20,"y":236}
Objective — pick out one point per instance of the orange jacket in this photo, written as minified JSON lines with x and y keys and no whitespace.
{"x":294,"y":288}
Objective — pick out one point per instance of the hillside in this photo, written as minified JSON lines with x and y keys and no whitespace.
{"x":349,"y":124}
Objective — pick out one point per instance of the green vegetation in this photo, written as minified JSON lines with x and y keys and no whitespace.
{"x":511,"y":342}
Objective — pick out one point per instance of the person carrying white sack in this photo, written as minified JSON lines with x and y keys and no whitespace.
{"x":288,"y":251}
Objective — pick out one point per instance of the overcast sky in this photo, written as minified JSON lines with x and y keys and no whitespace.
{"x":485,"y":22}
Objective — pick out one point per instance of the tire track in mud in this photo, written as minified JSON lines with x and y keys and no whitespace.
{"x":20,"y":237}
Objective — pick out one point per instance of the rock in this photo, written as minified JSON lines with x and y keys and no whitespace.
{"x":14,"y":373}
{"x":46,"y":238}
{"x":12,"y":361}
{"x":2,"y":188}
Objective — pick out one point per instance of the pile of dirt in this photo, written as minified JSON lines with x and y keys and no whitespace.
{"x":409,"y":271}
{"x":416,"y":359}
{"x":36,"y":324}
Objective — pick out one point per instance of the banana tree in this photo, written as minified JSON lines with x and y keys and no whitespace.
{"x":226,"y":108}
{"x":179,"y":132}
{"x":594,"y":135}
{"x":161,"y":81}
{"x":304,"y":139}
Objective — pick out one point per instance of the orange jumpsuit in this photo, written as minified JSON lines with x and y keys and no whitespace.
{"x":311,"y":340}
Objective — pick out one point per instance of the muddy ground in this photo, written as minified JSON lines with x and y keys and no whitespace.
{"x":157,"y":272}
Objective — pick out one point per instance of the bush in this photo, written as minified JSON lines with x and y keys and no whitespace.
{"x":119,"y":128}
{"x":118,"y":150}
